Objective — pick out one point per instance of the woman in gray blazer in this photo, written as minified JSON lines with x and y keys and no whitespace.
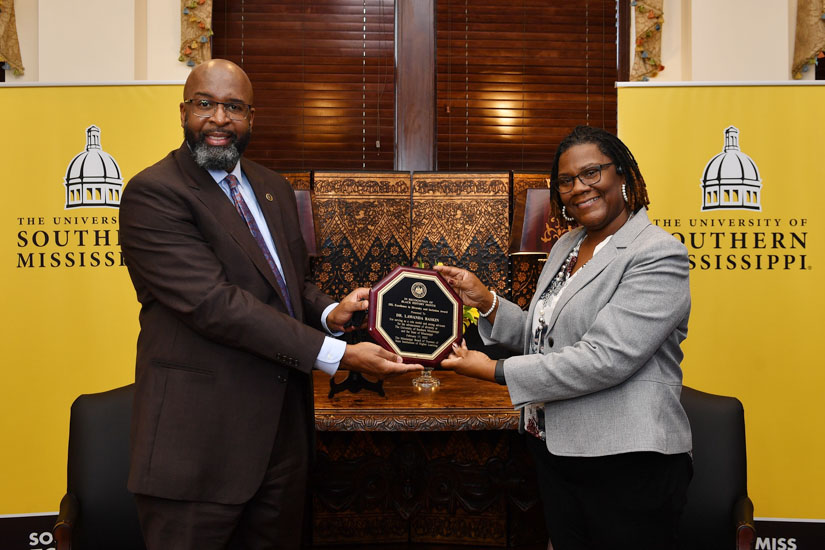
{"x":597,"y":373}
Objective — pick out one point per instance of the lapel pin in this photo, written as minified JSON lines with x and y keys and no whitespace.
{"x":269,"y":197}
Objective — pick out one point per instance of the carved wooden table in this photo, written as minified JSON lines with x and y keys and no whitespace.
{"x":442,"y":466}
{"x":458,"y":404}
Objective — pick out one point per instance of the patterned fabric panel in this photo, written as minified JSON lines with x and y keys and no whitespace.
{"x":363,"y":227}
{"x":525,"y":272}
{"x":462,"y":219}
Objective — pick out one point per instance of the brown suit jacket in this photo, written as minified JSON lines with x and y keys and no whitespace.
{"x":216,"y":346}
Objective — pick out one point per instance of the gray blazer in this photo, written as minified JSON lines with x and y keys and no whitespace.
{"x":611,"y":375}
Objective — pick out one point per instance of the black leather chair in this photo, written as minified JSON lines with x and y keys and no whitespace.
{"x":98,"y":512}
{"x":719,"y":513}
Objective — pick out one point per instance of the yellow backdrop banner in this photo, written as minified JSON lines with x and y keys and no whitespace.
{"x":69,"y":313}
{"x":735,"y":172}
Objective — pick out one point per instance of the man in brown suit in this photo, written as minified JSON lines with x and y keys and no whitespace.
{"x":230,"y":330}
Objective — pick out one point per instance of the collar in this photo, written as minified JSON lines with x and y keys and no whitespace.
{"x":219,"y":175}
{"x":631,"y":228}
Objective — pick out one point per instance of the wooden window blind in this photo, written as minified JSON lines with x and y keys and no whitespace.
{"x":322,"y":71}
{"x":514,"y":77}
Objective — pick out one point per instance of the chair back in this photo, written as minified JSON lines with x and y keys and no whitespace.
{"x":98,"y":468}
{"x":720,"y":470}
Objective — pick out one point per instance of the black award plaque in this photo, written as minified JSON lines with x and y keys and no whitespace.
{"x":415,"y":314}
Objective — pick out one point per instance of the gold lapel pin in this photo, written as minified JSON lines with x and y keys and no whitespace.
{"x":269,"y":197}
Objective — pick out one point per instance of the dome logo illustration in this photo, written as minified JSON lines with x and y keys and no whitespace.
{"x":93,"y":178}
{"x":731,"y":179}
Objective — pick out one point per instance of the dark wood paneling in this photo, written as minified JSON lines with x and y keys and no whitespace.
{"x":461,"y":219}
{"x":415,"y":85}
{"x":623,"y":39}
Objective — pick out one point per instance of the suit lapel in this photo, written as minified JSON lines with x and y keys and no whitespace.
{"x":559,"y":253}
{"x":620,"y":240}
{"x":213,"y":197}
{"x":557,"y":256}
{"x":585,"y":274}
{"x":271,"y":208}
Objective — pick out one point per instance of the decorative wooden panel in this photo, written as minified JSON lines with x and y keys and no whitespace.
{"x":363,"y":226}
{"x":525,"y":271}
{"x":462,"y":219}
{"x":526,"y":180}
{"x":298,"y":180}
{"x":417,"y":466}
{"x":469,"y":488}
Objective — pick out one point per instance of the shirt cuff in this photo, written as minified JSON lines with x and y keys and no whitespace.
{"x":329,"y":358}
{"x":324,"y":316}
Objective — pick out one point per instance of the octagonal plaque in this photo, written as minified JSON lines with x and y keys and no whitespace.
{"x":415,"y":314}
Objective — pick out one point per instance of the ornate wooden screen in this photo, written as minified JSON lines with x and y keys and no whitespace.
{"x":368,"y":223}
{"x":298,"y":180}
{"x":462,"y":219}
{"x":364,"y":228}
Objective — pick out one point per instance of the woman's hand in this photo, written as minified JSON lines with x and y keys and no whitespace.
{"x":474,"y":364}
{"x":471,"y":291}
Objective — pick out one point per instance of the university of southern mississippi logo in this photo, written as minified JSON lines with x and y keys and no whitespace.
{"x":93,"y":177}
{"x":731,"y":179}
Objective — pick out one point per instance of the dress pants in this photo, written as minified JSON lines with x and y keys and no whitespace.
{"x":626,"y":501}
{"x":271,"y":519}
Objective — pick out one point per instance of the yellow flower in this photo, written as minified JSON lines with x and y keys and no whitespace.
{"x":470,"y":316}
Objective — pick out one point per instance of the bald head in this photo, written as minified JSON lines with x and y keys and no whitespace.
{"x":217,"y":77}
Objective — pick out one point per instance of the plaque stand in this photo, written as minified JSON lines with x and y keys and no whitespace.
{"x":355,"y":382}
{"x":426,"y":381}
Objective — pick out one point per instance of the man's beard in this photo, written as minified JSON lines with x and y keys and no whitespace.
{"x":216,"y":157}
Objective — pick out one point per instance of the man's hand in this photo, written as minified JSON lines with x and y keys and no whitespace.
{"x":474,"y":364}
{"x":372,"y":359}
{"x":338,"y":318}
